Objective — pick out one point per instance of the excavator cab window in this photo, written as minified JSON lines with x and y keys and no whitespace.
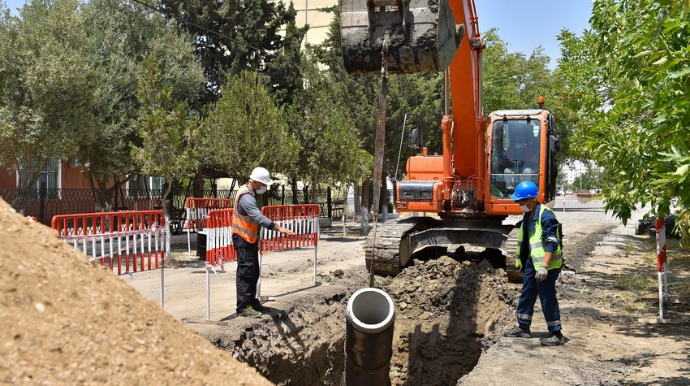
{"x":514,"y":154}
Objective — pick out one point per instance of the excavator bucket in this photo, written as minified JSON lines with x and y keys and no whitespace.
{"x":422,"y":35}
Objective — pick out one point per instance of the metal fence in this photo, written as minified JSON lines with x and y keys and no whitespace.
{"x":51,"y":202}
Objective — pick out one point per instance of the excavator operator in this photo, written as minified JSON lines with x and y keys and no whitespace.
{"x":521,"y":157}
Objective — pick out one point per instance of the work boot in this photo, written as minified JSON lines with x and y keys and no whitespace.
{"x":249,"y":312}
{"x":518,"y":332}
{"x":553,"y":340}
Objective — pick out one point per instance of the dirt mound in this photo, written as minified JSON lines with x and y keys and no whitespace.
{"x":67,"y":321}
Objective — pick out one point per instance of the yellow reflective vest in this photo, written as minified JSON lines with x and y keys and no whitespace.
{"x":536,"y":244}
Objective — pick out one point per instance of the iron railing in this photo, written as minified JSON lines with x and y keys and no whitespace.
{"x":51,"y":202}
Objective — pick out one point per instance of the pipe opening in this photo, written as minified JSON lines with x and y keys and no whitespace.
{"x":370,"y":310}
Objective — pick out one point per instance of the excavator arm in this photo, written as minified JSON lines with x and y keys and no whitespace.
{"x":428,"y":36}
{"x":465,"y":186}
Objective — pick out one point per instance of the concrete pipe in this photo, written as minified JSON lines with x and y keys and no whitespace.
{"x":369,"y":338}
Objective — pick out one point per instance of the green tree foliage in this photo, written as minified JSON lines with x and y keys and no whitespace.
{"x":245,"y":129}
{"x":330,"y":143}
{"x":630,"y":75}
{"x":45,"y":94}
{"x":119,"y":35}
{"x":247,"y":35}
{"x":167,"y":135}
{"x":68,"y":82}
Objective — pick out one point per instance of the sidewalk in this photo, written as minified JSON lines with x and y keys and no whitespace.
{"x":283,"y":273}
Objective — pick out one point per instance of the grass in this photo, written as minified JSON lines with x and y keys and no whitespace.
{"x":634,"y":282}
{"x":634,"y":287}
{"x":628,"y":248}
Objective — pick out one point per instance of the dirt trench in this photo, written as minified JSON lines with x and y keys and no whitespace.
{"x":448,"y":313}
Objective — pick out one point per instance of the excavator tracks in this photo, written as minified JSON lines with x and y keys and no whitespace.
{"x":393,"y":247}
{"x":391,"y":240}
{"x":510,"y":252}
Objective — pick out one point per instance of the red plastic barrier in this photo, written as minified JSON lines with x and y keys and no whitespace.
{"x":219,"y":247}
{"x":198,"y":208}
{"x":301,"y":219}
{"x":133,"y":239}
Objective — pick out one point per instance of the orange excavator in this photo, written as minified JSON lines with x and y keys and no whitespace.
{"x":461,"y":197}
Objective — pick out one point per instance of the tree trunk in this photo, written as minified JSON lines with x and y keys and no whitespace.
{"x":293,"y":185}
{"x":198,"y":184}
{"x":357,"y":199}
{"x":383,"y":198}
{"x":366,"y":193}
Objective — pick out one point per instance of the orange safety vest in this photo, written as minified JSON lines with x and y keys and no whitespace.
{"x":244,"y":226}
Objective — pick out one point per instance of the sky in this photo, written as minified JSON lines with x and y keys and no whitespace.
{"x":545,"y":18}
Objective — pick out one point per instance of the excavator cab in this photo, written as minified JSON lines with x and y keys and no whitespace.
{"x":522,"y":145}
{"x":417,"y":35}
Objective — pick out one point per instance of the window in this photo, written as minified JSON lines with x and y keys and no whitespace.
{"x":142,"y":186}
{"x":50,"y":171}
{"x":514,"y":155}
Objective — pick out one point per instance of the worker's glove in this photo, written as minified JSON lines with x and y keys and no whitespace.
{"x":542,"y":273}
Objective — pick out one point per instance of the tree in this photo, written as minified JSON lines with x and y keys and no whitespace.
{"x":167,"y":134}
{"x":330,"y":146}
{"x":69,"y":83}
{"x":246,"y":35}
{"x":120,"y":35}
{"x":245,"y":129}
{"x":45,"y":92}
{"x":630,"y":75}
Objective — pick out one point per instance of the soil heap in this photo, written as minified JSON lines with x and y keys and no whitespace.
{"x":67,"y":321}
{"x":447,"y":311}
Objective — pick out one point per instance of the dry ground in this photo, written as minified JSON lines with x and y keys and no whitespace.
{"x":68,"y":322}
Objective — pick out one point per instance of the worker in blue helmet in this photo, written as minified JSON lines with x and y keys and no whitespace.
{"x":540,"y":259}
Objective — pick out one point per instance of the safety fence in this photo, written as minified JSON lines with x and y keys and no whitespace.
{"x":197,"y":210}
{"x":303,"y":220}
{"x":218,"y":232}
{"x":125,"y":242}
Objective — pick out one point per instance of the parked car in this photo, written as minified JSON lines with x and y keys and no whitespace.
{"x":559,"y":192}
{"x":648,"y":226}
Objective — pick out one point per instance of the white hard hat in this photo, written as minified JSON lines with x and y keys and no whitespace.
{"x":261,"y":175}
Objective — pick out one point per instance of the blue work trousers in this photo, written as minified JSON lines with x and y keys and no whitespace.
{"x":547,"y":294}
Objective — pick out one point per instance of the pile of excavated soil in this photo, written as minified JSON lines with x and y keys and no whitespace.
{"x":446,"y":313}
{"x":67,"y":321}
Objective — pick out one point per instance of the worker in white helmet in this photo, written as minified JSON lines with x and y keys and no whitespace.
{"x":246,"y":220}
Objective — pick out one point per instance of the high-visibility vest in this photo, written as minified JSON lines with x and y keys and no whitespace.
{"x":536,"y":245}
{"x":244,"y":226}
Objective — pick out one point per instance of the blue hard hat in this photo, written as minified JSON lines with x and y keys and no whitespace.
{"x":525,"y":189}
